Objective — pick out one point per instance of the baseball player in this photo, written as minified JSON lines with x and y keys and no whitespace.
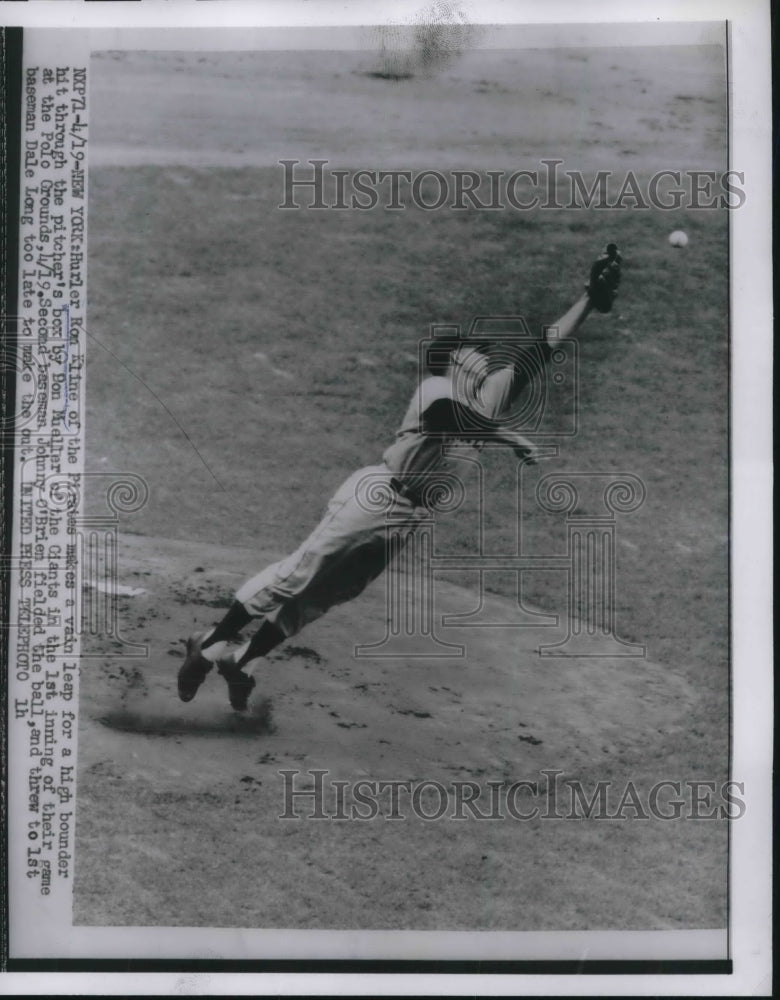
{"x":468,"y":400}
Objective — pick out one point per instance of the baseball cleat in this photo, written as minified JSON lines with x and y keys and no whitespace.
{"x":240,"y":685}
{"x":192,"y":672}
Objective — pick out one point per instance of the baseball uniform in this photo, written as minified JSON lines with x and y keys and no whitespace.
{"x":348,"y":548}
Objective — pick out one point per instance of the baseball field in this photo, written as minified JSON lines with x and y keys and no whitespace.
{"x":244,"y":359}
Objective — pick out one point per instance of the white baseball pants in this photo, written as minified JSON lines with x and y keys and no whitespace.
{"x":343,"y":554}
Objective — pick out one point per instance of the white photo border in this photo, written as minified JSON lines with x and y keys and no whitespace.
{"x":127,"y":25}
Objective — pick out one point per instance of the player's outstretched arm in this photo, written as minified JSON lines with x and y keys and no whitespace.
{"x":571,"y":321}
{"x":503,"y":384}
{"x":599,"y":294}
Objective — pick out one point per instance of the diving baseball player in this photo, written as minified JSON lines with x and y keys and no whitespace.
{"x":469,"y":401}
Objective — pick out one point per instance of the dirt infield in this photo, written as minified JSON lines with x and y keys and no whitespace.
{"x":199,"y":787}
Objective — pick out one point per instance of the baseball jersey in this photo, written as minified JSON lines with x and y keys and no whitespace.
{"x":435,"y":420}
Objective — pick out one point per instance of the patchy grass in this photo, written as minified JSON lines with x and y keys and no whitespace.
{"x":284,"y":345}
{"x":246,"y":359}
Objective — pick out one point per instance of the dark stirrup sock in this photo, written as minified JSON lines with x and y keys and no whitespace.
{"x":266,"y":638}
{"x":236,"y":618}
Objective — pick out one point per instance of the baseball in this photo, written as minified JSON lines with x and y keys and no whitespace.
{"x":678,"y":238}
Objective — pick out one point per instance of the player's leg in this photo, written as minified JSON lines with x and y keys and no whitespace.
{"x":345,"y":552}
{"x":289,"y":601}
{"x":344,"y":578}
{"x":203,"y":652}
{"x":271,"y":595}
{"x":340,"y":557}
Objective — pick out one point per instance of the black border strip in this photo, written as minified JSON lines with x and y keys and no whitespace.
{"x":730,"y":492}
{"x":10,"y":158}
{"x":701,"y":967}
{"x":774,"y":14}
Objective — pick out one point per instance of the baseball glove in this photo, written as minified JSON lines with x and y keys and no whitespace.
{"x":604,"y":279}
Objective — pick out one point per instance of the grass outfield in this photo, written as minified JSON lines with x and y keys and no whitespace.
{"x":245,"y":360}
